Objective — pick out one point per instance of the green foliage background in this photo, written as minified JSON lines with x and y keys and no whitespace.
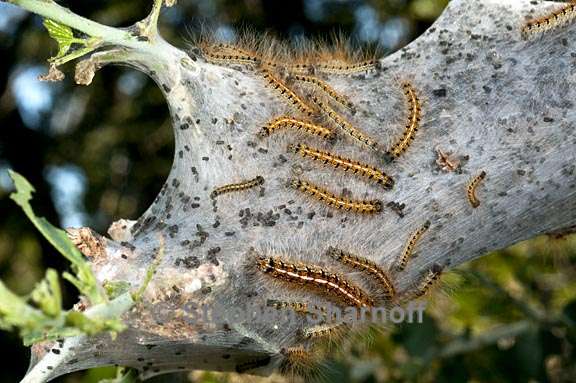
{"x":508,"y":317}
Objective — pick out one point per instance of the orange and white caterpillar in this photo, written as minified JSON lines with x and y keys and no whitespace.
{"x":294,"y":100}
{"x":415,"y":115}
{"x":557,"y":18}
{"x":332,"y":285}
{"x":259,"y":180}
{"x":289,"y":122}
{"x":346,"y":164}
{"x":345,"y":125}
{"x":410,"y":245}
{"x":367,"y":266}
{"x":322,"y":85}
{"x":340,"y":68}
{"x":471,"y":189}
{"x":365,"y":207}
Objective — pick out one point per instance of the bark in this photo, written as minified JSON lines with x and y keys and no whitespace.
{"x":497,"y":102}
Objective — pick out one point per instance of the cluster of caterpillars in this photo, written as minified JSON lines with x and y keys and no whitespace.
{"x":321,"y":114}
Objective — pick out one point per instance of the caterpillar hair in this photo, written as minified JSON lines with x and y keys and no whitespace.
{"x":556,"y":19}
{"x":259,"y":180}
{"x":327,"y":89}
{"x":471,"y":189}
{"x":365,"y":207}
{"x":294,"y":100}
{"x":345,"y":125}
{"x":289,"y":122}
{"x":332,"y":285}
{"x":345,"y":164}
{"x":367,"y":266}
{"x":415,"y":115}
{"x":410,"y":245}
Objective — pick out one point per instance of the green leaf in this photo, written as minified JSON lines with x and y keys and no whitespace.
{"x":47,"y":294}
{"x":62,"y":34}
{"x":84,"y":280}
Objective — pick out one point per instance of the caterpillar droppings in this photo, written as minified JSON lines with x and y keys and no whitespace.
{"x":294,"y":100}
{"x":471,"y":189}
{"x":332,"y":285}
{"x":410,"y":245}
{"x":259,"y":180}
{"x":325,"y":88}
{"x":365,"y":207}
{"x":553,"y":20}
{"x":345,"y":164}
{"x":367,"y":266}
{"x":288,"y":122}
{"x":415,"y":115}
{"x":345,"y":125}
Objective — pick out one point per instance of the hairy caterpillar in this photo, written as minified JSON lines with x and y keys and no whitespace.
{"x":331,"y":284}
{"x":288,"y":122}
{"x":415,"y":115}
{"x":299,"y":307}
{"x":325,"y":88}
{"x":345,"y":125}
{"x":287,"y":93}
{"x":334,"y":331}
{"x":554,"y":20}
{"x":409,"y":248}
{"x":259,"y":180}
{"x":346,"y":164}
{"x":371,"y":268}
{"x":428,"y":281}
{"x":229,"y":54}
{"x":366,"y":207}
{"x":471,"y":189}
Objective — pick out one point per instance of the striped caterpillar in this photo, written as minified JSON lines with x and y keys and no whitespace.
{"x":428,"y":281}
{"x":346,"y":164}
{"x":411,"y":127}
{"x":288,"y":122}
{"x":310,"y":275}
{"x":365,"y":207}
{"x":345,"y":125}
{"x":325,"y":88}
{"x":334,"y":331}
{"x":287,"y":93}
{"x":259,"y":180}
{"x":554,"y":20}
{"x":365,"y":265}
{"x":471,"y":189}
{"x":409,"y":248}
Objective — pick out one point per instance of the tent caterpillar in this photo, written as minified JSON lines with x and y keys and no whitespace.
{"x":346,"y":164}
{"x":414,"y":118}
{"x":330,"y":330}
{"x":428,"y":281}
{"x":288,"y":122}
{"x":366,"y":207}
{"x":345,"y":125}
{"x":325,"y":88}
{"x":371,"y":268}
{"x":259,"y":180}
{"x":471,"y":189}
{"x":346,"y":69}
{"x":409,"y":248}
{"x":553,"y":20}
{"x":314,"y":276}
{"x":287,"y":93}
